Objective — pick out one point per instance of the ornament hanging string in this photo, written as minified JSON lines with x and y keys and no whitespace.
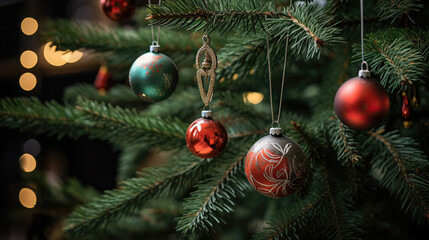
{"x":155,"y":43}
{"x":270,"y":82}
{"x":361,"y":36}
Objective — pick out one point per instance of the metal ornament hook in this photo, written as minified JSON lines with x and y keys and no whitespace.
{"x":275,"y":122}
{"x":364,"y":73}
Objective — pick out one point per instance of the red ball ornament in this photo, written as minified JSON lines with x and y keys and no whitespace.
{"x":205,"y":137}
{"x":276,"y":165}
{"x":118,"y":10}
{"x":361,"y":102}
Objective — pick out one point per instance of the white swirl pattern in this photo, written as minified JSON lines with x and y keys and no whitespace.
{"x":277,"y":181}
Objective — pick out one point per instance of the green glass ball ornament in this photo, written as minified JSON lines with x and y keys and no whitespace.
{"x":153,"y":76}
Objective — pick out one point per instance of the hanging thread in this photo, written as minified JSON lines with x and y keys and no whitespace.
{"x":361,"y":28}
{"x":270,"y":82}
{"x":153,"y":35}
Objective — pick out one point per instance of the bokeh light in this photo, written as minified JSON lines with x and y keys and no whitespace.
{"x":29,"y":26}
{"x":32,"y":146}
{"x":253,"y":97}
{"x":52,"y":56}
{"x":235,"y":76}
{"x":28,"y":59}
{"x":27,"y":198}
{"x":27,"y":81}
{"x":27,"y":162}
{"x":72,"y":56}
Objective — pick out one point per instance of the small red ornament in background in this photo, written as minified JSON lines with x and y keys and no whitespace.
{"x":205,"y":137}
{"x":406,"y":111}
{"x":102,"y":80}
{"x":118,"y":10}
{"x":361,"y":103}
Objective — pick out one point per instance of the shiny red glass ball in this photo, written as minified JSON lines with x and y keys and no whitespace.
{"x":118,"y":10}
{"x":361,"y":103}
{"x":206,"y":138}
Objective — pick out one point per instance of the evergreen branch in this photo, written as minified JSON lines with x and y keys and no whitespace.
{"x":289,"y":222}
{"x":118,"y":95}
{"x":128,"y":126}
{"x":72,"y":35}
{"x":154,"y":219}
{"x":306,"y":25}
{"x":308,"y":28}
{"x":418,"y":37}
{"x":343,"y":228}
{"x":208,"y":16}
{"x":396,"y":166}
{"x":309,"y":33}
{"x":51,"y":118}
{"x":394,"y":9}
{"x":98,"y":121}
{"x":342,"y":139}
{"x":131,"y":194}
{"x":181,"y":104}
{"x":397,"y":62}
{"x":310,"y":141}
{"x":214,"y":198}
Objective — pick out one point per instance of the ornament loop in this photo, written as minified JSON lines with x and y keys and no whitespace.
{"x":205,"y":107}
{"x":206,"y":39}
{"x":275,"y":122}
{"x":364,"y":63}
{"x":206,"y":69}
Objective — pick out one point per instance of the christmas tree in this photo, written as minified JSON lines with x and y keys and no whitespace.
{"x":370,"y":184}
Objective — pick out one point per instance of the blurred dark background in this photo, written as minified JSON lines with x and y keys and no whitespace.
{"x":92,"y":162}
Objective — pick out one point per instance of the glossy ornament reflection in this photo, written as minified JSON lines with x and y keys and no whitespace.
{"x":361,"y":102}
{"x":153,"y":76}
{"x":205,"y":137}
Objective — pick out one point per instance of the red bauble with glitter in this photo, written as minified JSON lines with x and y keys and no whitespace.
{"x":118,"y":10}
{"x":205,"y":137}
{"x":361,"y":102}
{"x":276,"y":165}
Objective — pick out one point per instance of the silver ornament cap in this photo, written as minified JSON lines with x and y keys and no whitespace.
{"x":206,"y":113}
{"x":364,"y":72}
{"x":154,"y":47}
{"x":275,"y":131}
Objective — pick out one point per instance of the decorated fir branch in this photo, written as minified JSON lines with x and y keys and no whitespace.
{"x":214,"y":198}
{"x":344,"y":165}
{"x":310,"y":27}
{"x":397,"y":57}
